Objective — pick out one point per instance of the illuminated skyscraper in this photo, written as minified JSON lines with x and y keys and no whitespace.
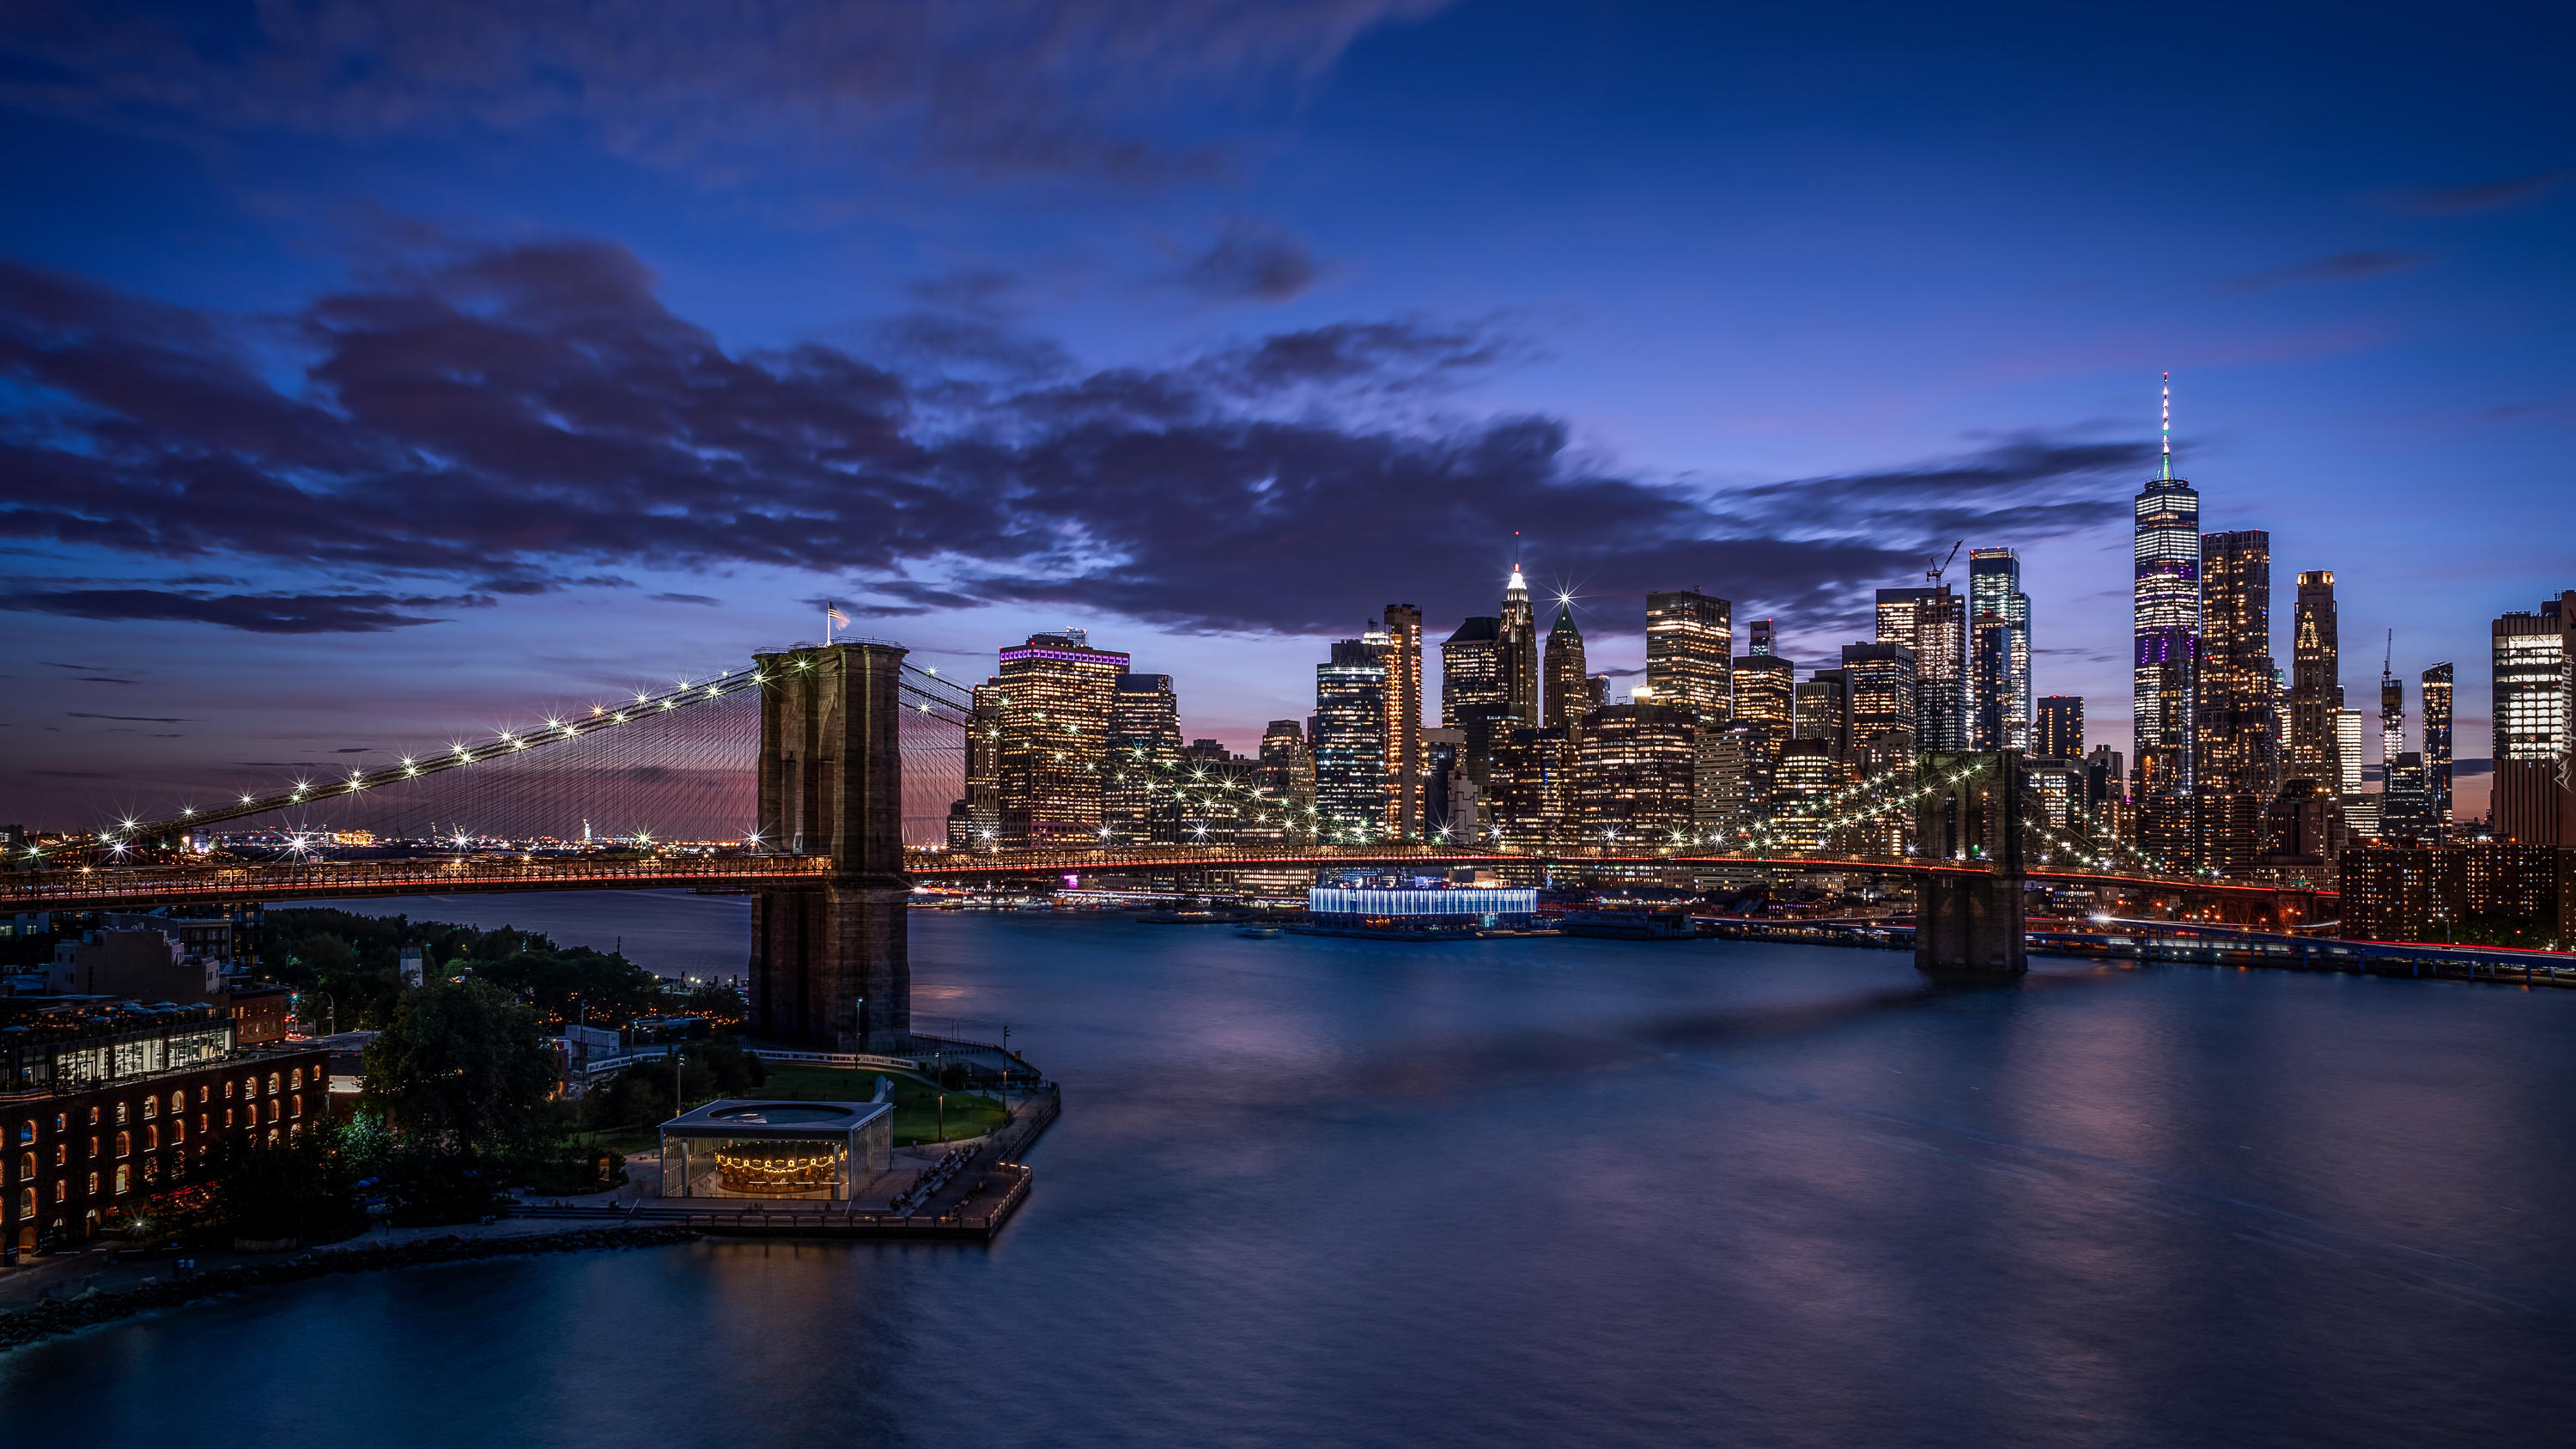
{"x":2316,"y":684}
{"x":1403,"y":628}
{"x":1633,"y":774}
{"x":1530,"y":789}
{"x":1690,"y":643}
{"x":975,"y":823}
{"x":1766,"y":693}
{"x":1287,"y":776}
{"x":2360,"y":810}
{"x":2061,"y":728}
{"x":2166,"y":621}
{"x":1516,"y":652}
{"x":1932,"y":624}
{"x":2235,"y":701}
{"x":1056,"y":690}
{"x":2392,"y":720}
{"x":1138,"y":806}
{"x":1999,"y":651}
{"x":1350,"y":740}
{"x":1824,"y":712}
{"x":1880,"y":678}
{"x":2437,"y":746}
{"x":2535,"y":724}
{"x":1471,"y":669}
{"x":1569,"y":694}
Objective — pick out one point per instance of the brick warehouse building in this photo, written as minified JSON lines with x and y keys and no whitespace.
{"x":104,"y":1108}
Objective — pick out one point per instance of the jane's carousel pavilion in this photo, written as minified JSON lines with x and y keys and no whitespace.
{"x":777,"y":1150}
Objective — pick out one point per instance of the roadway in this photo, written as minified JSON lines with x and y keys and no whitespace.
{"x":141,"y":887}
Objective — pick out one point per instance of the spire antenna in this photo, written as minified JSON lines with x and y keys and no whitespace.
{"x":2165,"y":471}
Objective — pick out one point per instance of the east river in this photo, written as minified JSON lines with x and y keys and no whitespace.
{"x":1537,"y":1192}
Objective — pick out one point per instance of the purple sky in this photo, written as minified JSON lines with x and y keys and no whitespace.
{"x":377,"y":372}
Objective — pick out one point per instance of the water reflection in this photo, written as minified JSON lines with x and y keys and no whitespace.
{"x":1311,"y":1191}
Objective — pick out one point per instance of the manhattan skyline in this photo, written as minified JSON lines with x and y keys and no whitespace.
{"x":1281,"y":316}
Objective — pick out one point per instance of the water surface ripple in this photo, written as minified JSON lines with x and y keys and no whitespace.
{"x":1314,"y":1191}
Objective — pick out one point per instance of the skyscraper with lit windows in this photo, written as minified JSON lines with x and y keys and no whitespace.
{"x":2437,"y":746}
{"x":1999,"y":651}
{"x":2061,"y":728}
{"x":1056,"y":690}
{"x":2535,"y":723}
{"x":1516,"y":652}
{"x":2316,"y":684}
{"x":1402,"y":625}
{"x":2165,"y":611}
{"x":1690,"y":648}
{"x":1569,"y":690}
{"x":1349,"y":740}
{"x":1932,"y":623}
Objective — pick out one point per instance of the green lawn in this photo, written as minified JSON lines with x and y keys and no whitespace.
{"x":916,"y":1106}
{"x":916,"y":1103}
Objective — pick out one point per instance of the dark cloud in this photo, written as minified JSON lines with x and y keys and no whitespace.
{"x":684,"y":599}
{"x":256,"y":613}
{"x":1007,"y":87}
{"x":513,"y":417}
{"x":2485,"y":195}
{"x":126,"y":718}
{"x":75,"y":774}
{"x":1251,"y":262}
{"x":2342,"y":267}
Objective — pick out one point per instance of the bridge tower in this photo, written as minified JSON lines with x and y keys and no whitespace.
{"x":1971,"y":815}
{"x":828,"y":963}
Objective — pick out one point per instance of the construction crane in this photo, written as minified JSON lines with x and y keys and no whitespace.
{"x":1934,"y":573}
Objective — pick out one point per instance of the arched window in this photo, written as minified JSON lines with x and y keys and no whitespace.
{"x":298,"y":1100}
{"x":93,"y":1184}
{"x":152,"y":1139}
{"x":26,"y":1131}
{"x":26,"y":1167}
{"x":152,"y":1169}
{"x":228,"y":1091}
{"x":62,"y":1189}
{"x":272,"y":1116}
{"x":125,"y":1144}
{"x":124,"y":1181}
{"x":178,"y":1102}
{"x":272,"y":1084}
{"x":27,"y":1202}
{"x":295,"y":1078}
{"x":151,"y":1108}
{"x":124,"y":1113}
{"x":272,"y":1137}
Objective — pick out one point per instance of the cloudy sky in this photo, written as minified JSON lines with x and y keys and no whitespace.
{"x":371,"y":372}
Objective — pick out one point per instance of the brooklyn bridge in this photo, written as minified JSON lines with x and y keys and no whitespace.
{"x":817,"y":751}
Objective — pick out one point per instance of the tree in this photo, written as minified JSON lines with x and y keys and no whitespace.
{"x":462,"y":1065}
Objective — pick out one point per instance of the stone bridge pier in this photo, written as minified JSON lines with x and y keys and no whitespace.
{"x":828,"y":963}
{"x":1968,"y":919}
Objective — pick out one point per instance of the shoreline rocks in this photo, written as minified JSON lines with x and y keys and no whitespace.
{"x":70,"y":1315}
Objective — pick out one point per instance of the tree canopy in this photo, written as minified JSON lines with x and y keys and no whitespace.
{"x":462,"y":1063}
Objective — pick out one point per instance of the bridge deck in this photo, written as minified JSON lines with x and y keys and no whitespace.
{"x":146,"y":886}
